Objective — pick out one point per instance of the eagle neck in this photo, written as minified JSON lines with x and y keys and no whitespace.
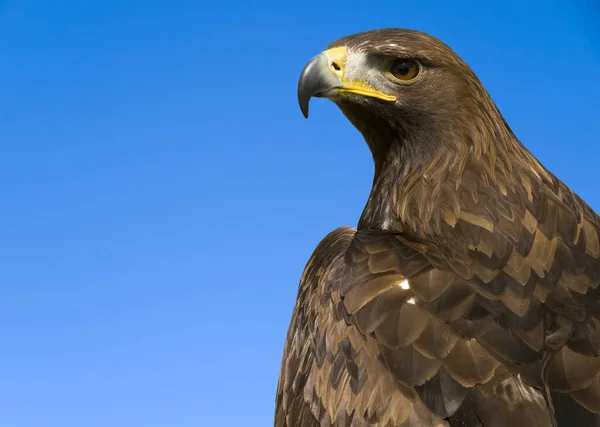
{"x":420,"y":176}
{"x":402,"y":167}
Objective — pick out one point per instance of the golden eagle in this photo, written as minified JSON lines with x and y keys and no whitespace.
{"x":468,"y":293}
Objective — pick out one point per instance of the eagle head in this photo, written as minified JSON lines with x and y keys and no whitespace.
{"x":397,"y":84}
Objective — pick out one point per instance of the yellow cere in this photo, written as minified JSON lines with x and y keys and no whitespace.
{"x":337,"y":62}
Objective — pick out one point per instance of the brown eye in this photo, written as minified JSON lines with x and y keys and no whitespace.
{"x":405,"y":70}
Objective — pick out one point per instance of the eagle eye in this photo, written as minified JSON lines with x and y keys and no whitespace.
{"x":405,"y":70}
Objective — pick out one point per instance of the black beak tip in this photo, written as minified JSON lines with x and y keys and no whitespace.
{"x":304,"y":109}
{"x":304,"y":94}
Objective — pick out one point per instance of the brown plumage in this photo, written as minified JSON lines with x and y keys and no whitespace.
{"x":468,"y":294}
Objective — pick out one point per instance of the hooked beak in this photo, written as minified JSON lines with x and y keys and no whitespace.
{"x":323,"y":77}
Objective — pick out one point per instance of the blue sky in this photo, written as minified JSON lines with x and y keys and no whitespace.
{"x":161,"y":191}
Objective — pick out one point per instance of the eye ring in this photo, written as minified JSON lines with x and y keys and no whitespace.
{"x":404,"y":70}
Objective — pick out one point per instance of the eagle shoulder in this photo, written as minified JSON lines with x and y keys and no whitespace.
{"x":332,"y":374}
{"x":295,"y":403}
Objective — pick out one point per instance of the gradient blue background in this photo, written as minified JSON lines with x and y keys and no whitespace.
{"x":160,"y":191}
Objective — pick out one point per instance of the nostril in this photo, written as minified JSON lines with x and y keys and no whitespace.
{"x":336,"y":66}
